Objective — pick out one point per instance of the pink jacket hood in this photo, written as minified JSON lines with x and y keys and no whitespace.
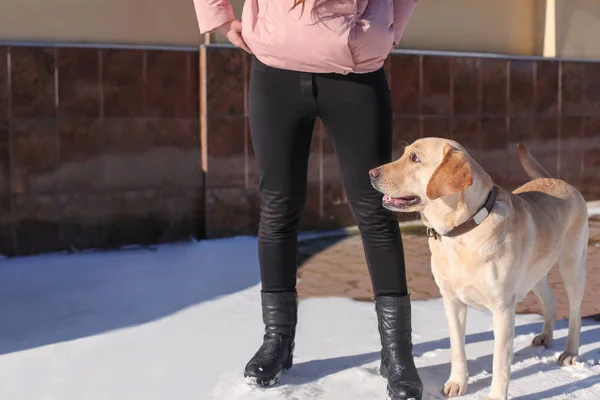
{"x":340,"y":36}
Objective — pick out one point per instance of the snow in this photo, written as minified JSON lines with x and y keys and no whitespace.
{"x":180,"y":322}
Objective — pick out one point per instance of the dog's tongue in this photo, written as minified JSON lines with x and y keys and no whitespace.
{"x":387,"y":198}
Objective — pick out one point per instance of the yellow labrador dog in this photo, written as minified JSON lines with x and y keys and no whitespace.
{"x":491,"y":247}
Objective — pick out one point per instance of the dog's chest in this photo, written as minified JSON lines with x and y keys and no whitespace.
{"x":460,"y":280}
{"x":466,"y":291}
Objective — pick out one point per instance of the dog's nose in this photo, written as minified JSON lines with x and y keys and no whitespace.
{"x":374,"y":173}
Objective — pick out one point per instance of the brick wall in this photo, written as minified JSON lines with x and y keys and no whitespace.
{"x":98,"y":148}
{"x":109,"y":147}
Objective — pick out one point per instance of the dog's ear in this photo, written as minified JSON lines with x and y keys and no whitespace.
{"x":451,"y":176}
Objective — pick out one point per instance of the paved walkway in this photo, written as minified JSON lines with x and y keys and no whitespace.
{"x":335,"y":266}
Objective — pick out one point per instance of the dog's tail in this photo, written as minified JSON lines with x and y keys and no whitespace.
{"x":530,"y":164}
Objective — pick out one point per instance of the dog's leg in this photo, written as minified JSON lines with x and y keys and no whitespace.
{"x":456,"y":314}
{"x":504,"y":333}
{"x":573,"y":271}
{"x":544,"y":293}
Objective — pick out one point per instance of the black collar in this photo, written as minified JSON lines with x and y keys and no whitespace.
{"x":472,"y":222}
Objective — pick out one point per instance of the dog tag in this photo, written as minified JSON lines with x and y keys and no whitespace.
{"x":480,"y":216}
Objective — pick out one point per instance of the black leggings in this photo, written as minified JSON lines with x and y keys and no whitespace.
{"x":356,"y":111}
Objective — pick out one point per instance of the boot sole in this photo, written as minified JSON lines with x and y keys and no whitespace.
{"x":390,"y":396}
{"x":270,"y":382}
{"x":262,"y":382}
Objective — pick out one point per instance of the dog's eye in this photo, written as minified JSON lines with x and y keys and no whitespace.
{"x":413,"y":157}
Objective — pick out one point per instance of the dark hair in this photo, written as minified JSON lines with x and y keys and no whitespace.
{"x":318,"y":13}
{"x":298,"y":3}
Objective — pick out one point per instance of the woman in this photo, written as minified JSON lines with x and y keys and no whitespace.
{"x":321,"y":58}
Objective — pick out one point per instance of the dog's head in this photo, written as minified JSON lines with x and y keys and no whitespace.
{"x":429,"y":169}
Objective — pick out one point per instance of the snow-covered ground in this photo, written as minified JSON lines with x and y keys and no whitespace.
{"x":179,"y":322}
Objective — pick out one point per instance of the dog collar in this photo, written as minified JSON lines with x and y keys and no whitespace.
{"x":472,"y":222}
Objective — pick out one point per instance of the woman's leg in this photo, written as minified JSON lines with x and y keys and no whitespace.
{"x":282,"y":115}
{"x":356,"y":111}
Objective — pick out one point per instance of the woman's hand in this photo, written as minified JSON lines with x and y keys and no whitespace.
{"x":233,"y":32}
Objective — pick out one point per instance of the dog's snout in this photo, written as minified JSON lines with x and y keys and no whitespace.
{"x":374,"y":173}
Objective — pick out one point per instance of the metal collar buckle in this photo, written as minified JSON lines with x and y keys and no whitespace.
{"x":432,"y":233}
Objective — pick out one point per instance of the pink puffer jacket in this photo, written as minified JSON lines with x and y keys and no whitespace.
{"x":340,"y":36}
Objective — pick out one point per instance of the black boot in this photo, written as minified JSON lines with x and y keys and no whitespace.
{"x":280,"y":313}
{"x":397,"y":363}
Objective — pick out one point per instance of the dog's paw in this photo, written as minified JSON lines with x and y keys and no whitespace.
{"x":567,"y":358}
{"x":542,"y":339}
{"x":455,"y":388}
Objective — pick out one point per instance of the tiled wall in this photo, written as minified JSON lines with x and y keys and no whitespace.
{"x":98,"y":148}
{"x":102,"y":147}
{"x":490,"y":105}
{"x":487,"y":104}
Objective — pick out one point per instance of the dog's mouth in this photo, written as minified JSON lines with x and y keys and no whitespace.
{"x":395,"y":203}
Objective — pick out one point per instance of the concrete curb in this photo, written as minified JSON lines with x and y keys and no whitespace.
{"x":593,"y":208}
{"x":348,"y":231}
{"x":593,"y":211}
